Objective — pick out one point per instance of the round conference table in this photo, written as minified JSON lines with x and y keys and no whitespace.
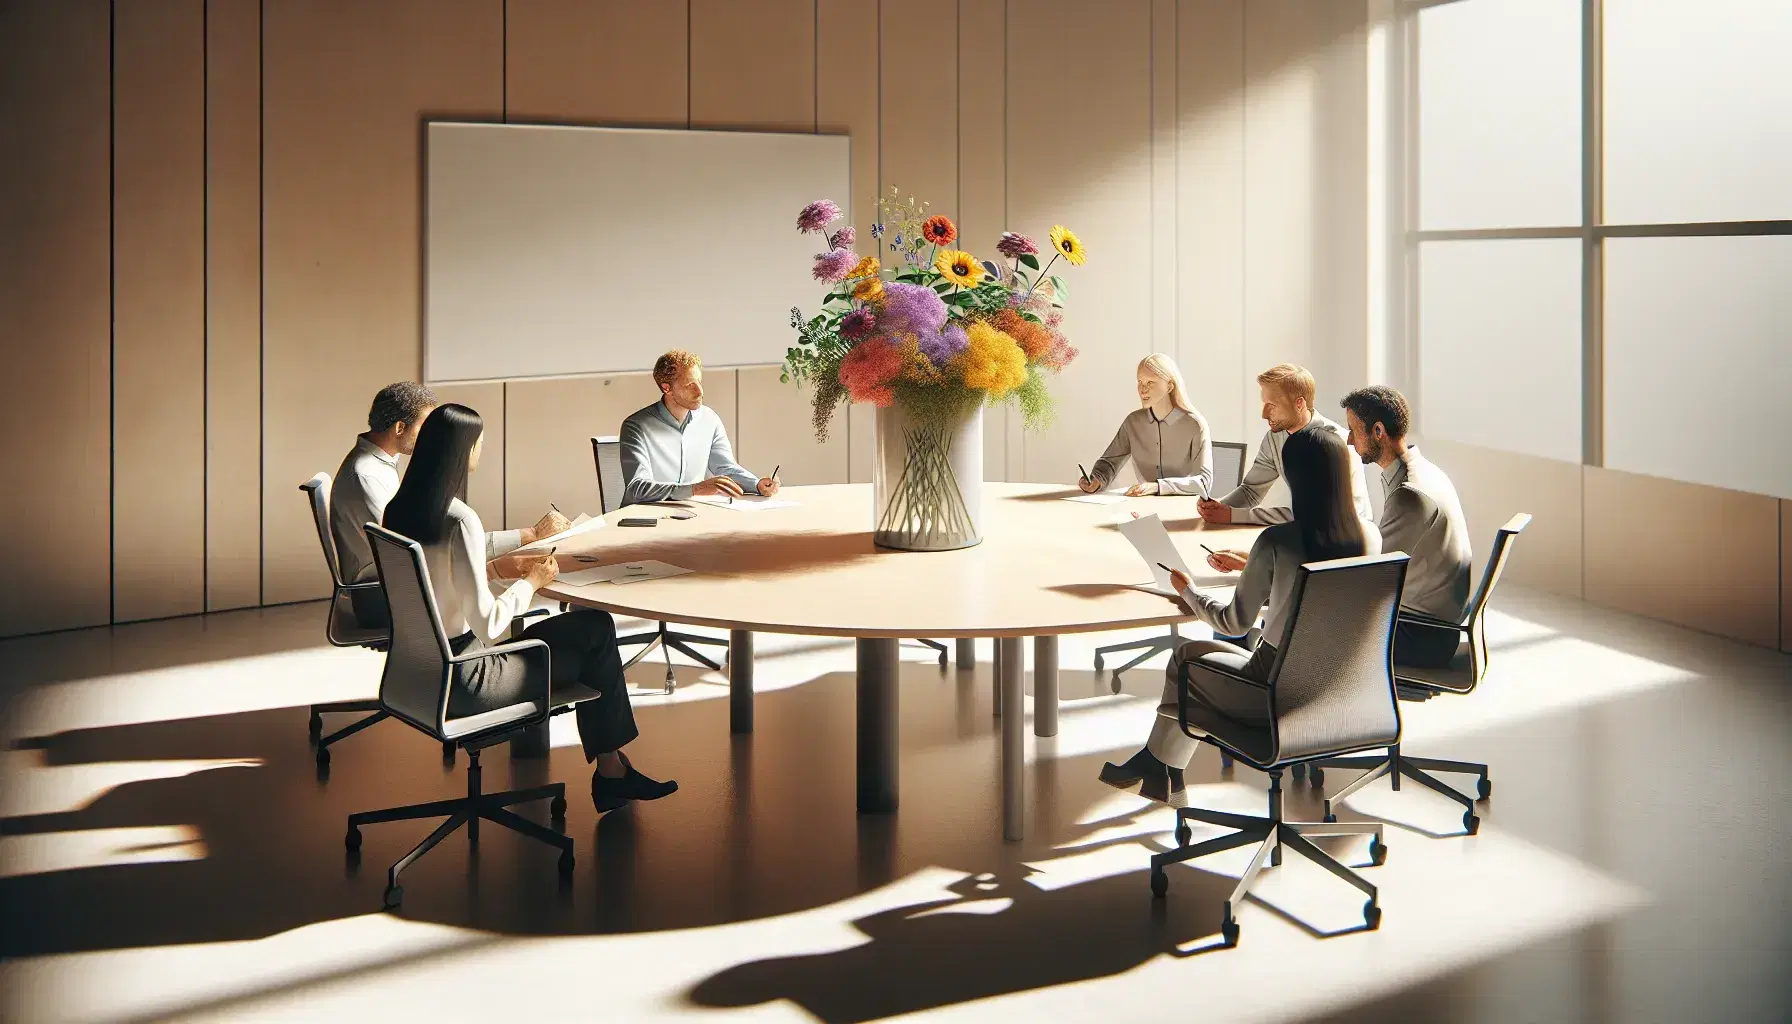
{"x":1046,"y":567}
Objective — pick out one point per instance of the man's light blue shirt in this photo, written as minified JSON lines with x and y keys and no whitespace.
{"x":662,"y":458}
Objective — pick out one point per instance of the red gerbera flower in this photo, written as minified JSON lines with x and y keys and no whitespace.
{"x":939,"y":230}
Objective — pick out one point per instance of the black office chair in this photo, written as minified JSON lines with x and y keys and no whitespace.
{"x":340,"y":626}
{"x":414,"y":689}
{"x":606,"y":452}
{"x":1461,"y":676}
{"x":1330,"y":692}
{"x":1228,"y":470}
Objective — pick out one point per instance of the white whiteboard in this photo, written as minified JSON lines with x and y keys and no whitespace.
{"x":556,"y":251}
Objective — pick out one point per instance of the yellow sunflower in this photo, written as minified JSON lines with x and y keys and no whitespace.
{"x":869,"y":290}
{"x":960,"y":268}
{"x":867,"y":267}
{"x":1068,"y":245}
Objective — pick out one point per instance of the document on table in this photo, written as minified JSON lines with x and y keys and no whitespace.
{"x":746,"y":502}
{"x":621,"y":573}
{"x":1100,"y":498}
{"x":1149,"y":538}
{"x":583,"y":524}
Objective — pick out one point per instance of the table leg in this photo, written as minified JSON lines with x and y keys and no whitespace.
{"x":740,"y":680}
{"x":995,"y":680}
{"x":1012,"y":685}
{"x":967,"y":655}
{"x":879,"y":665}
{"x":1045,"y":686}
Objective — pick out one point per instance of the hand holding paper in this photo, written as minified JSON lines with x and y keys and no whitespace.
{"x":1149,"y":538}
{"x":583,"y":524}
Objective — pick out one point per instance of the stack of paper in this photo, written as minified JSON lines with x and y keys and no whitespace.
{"x":621,"y":573}
{"x":1100,"y":498}
{"x":583,"y":524}
{"x":746,"y":502}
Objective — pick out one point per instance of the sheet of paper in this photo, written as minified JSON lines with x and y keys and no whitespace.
{"x":746,"y":502}
{"x":1149,"y":538}
{"x":1100,"y":498}
{"x":622,"y":572}
{"x":583,"y":524}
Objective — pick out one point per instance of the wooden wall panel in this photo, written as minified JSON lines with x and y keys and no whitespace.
{"x":1722,"y":577}
{"x":158,"y":295}
{"x":753,"y":64}
{"x":1164,"y":96}
{"x":847,"y":104}
{"x":550,"y":424}
{"x":55,"y":335}
{"x":777,"y":428}
{"x":983,"y":175}
{"x":1786,"y":575}
{"x":1339,"y":125}
{"x":1210,"y":216}
{"x":613,"y":62}
{"x":485,"y":488}
{"x":347,"y":89}
{"x":233,"y":304}
{"x":919,"y":125}
{"x":1079,"y":154}
{"x":1493,"y":485}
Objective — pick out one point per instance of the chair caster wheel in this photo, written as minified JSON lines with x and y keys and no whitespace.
{"x":323,"y":755}
{"x":1330,"y":818}
{"x":1229,"y":932}
{"x":1299,"y":772}
{"x":353,"y":840}
{"x":1378,"y":851}
{"x":394,"y":895}
{"x":1485,"y":789}
{"x":1098,"y":663}
{"x":1160,"y":883}
{"x":1183,"y":833}
{"x":317,"y":726}
{"x":1114,"y":683}
{"x":1317,"y":775}
{"x":565,"y":863}
{"x":1371,"y":916}
{"x":1470,"y":823}
{"x":557,"y":808}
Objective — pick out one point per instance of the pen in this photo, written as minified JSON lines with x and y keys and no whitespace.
{"x":1166,"y":568}
{"x":1209,"y":550}
{"x":1080,"y":469}
{"x":555,"y":507}
{"x":775,"y":470}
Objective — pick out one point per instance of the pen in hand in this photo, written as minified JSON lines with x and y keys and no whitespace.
{"x":1084,"y":472}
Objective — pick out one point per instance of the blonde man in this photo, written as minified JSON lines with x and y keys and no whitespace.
{"x":1165,"y":438}
{"x":677,"y":447}
{"x":1287,"y":392}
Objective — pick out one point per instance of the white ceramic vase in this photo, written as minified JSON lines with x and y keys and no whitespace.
{"x":927,"y":481}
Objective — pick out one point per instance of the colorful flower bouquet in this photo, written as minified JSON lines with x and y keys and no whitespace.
{"x":930,"y":340}
{"x":937,"y":331}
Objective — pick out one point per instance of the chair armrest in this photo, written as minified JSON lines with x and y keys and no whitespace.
{"x":1428,"y":620}
{"x":365,"y":585}
{"x":1182,"y":694}
{"x":519,"y":647}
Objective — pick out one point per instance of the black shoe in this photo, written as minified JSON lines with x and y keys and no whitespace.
{"x":1137,"y":767}
{"x":607,"y":794}
{"x":1165,"y":787}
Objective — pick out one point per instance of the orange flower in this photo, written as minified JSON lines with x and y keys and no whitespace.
{"x":939,"y":230}
{"x":1034,"y":339}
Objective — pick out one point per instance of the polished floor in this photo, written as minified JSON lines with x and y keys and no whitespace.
{"x":168,"y":850}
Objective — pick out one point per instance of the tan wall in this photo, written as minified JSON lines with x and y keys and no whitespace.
{"x":1208,"y":151}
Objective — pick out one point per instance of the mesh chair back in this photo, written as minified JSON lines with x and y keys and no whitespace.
{"x":607,"y":453}
{"x":1496,"y":564}
{"x":317,"y":489}
{"x":1228,"y":468}
{"x":415,"y":684}
{"x":1332,"y":688}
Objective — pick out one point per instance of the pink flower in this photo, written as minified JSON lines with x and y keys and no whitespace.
{"x":1014,"y":245}
{"x":835,"y":264}
{"x":844,"y":238}
{"x":817,"y":215}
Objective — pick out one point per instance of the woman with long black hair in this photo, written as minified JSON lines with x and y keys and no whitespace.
{"x":582,"y":644}
{"x":1317,"y":468}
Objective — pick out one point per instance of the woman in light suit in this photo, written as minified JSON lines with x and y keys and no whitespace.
{"x":1165,"y":438}
{"x":581,"y":644}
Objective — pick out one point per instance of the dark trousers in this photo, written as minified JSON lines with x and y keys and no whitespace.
{"x":369,"y":604}
{"x":581,"y":649}
{"x":1423,"y":646}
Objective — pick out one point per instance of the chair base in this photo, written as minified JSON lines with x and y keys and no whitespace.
{"x":318,"y":711}
{"x":469,"y":811}
{"x":1271,"y":834}
{"x":937,"y":646}
{"x":1148,"y":648}
{"x":1397,"y":765}
{"x":668,"y":641}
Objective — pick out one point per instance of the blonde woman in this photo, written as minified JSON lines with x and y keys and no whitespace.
{"x":1166,"y":439}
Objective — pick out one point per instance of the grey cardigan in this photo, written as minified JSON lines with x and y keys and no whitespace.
{"x":1174,"y":451}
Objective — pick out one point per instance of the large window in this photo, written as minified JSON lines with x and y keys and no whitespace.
{"x":1600,"y":230}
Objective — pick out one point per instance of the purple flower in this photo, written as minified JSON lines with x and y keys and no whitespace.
{"x":817,"y":215}
{"x":913,"y":308}
{"x":843,"y":238}
{"x":877,"y":230}
{"x":1014,"y":246}
{"x":858,"y":324}
{"x":940,"y":348}
{"x":835,"y":264}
